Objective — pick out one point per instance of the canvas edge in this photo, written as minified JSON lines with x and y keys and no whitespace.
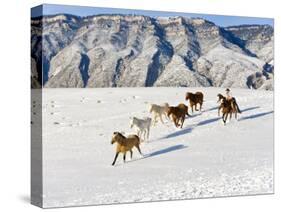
{"x":36,"y":163}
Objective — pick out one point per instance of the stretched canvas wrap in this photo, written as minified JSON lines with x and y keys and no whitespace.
{"x":137,"y":106}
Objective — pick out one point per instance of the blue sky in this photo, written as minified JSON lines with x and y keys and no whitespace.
{"x":221,"y":20}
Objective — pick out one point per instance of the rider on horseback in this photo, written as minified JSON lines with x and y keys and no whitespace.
{"x":229,"y":97}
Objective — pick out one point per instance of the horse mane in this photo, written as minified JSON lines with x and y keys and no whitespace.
{"x":221,"y":96}
{"x":190,"y":96}
{"x":119,"y":134}
{"x":119,"y":138}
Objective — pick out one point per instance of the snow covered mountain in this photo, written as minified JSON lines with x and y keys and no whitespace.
{"x":141,"y":51}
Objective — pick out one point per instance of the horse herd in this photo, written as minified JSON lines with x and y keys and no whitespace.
{"x":177,"y":114}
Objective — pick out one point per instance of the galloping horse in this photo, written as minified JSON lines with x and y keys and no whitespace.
{"x":178,"y":114}
{"x":125,"y":144}
{"x":195,"y":99}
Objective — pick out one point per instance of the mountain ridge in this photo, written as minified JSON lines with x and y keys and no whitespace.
{"x":136,"y":51}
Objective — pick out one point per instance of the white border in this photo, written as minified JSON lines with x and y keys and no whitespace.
{"x":15,"y":133}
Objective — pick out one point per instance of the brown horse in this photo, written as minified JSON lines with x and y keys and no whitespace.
{"x":125,"y":144}
{"x":178,"y":114}
{"x":184,"y":108}
{"x":195,"y":99}
{"x":227,"y":109}
{"x":235,"y":108}
{"x":221,"y":98}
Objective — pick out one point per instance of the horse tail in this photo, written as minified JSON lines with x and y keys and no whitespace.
{"x":238,"y":109}
{"x":187,"y":113}
{"x":235,"y":103}
{"x":139,"y":140}
{"x":150,"y":110}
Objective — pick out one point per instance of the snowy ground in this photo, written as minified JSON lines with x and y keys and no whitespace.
{"x":204,"y":159}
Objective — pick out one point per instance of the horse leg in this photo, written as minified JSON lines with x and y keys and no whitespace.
{"x":225,"y":118}
{"x":116,"y":155}
{"x":178,"y":120}
{"x":196,"y":106}
{"x":144,"y":134}
{"x":138,"y":147}
{"x":182,"y":121}
{"x":187,"y":113}
{"x":161,"y":118}
{"x":147,"y":136}
{"x":175,"y":120}
{"x":154,"y":119}
{"x":131,"y":154}
{"x":124,"y":157}
{"x":191,"y":105}
{"x":166,"y":117}
{"x":235,"y":113}
{"x":141,"y":134}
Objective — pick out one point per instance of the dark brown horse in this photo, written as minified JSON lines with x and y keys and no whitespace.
{"x":234,"y":104}
{"x":195,"y":99}
{"x":178,"y":114}
{"x":184,"y":108}
{"x":227,"y":109}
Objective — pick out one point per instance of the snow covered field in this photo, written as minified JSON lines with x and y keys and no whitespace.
{"x":204,"y":159}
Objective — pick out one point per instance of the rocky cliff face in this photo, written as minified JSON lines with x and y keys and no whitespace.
{"x":49,"y":35}
{"x":137,"y":51}
{"x":257,"y":38}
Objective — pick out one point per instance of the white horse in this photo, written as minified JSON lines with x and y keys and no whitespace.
{"x":142,"y":126}
{"x":158,"y":111}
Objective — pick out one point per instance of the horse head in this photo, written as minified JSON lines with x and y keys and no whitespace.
{"x":132,"y":121}
{"x":117,"y":137}
{"x":187,"y":96}
{"x":113,"y":140}
{"x":219,"y":97}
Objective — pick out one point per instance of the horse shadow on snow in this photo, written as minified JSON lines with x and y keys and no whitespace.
{"x":158,"y":152}
{"x":255,"y":115}
{"x":166,"y":150}
{"x":189,"y":129}
{"x":212,"y":120}
{"x":250,"y":108}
